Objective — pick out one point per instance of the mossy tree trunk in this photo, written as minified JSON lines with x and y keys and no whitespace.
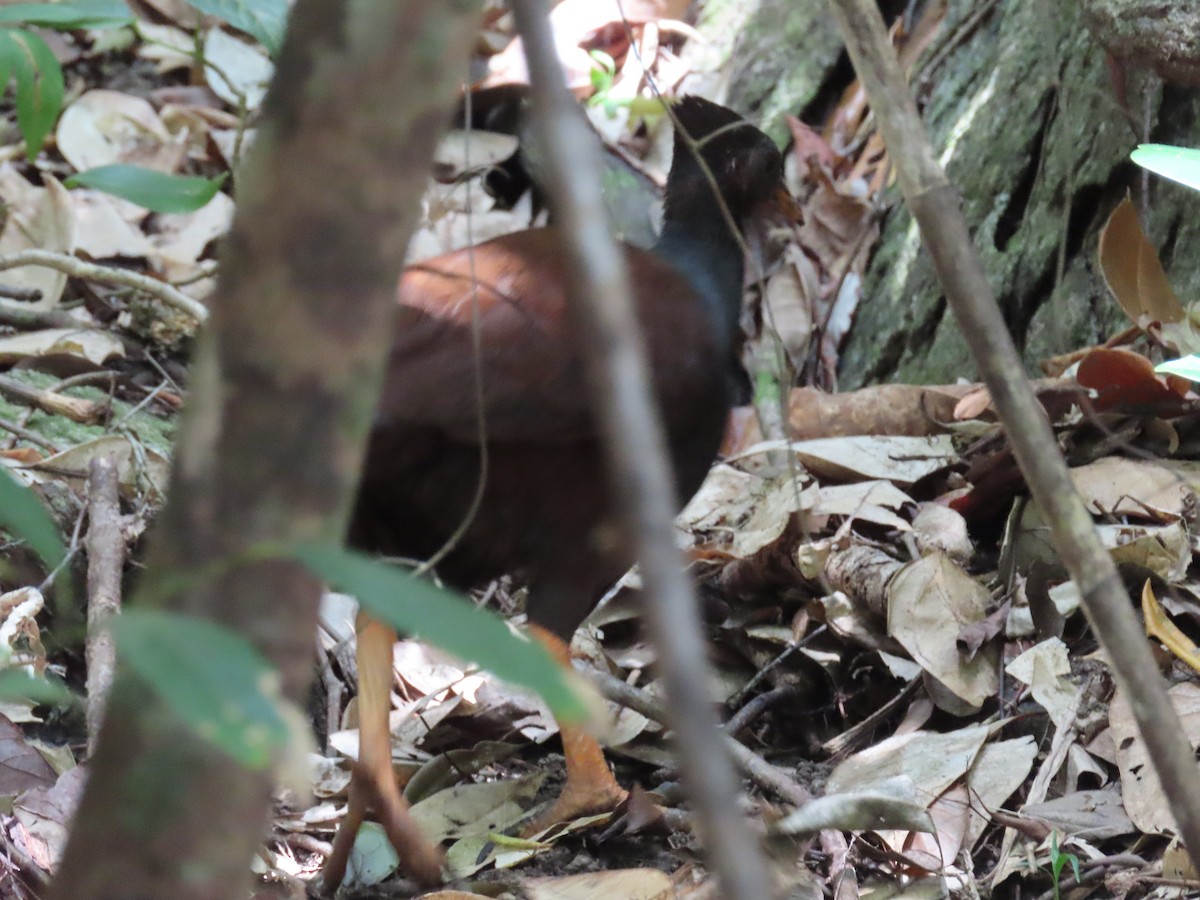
{"x":1020,"y":101}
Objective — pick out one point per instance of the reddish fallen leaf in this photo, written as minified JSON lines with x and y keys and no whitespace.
{"x":1123,"y":378}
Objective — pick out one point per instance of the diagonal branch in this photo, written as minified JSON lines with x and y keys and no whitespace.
{"x":935,"y":206}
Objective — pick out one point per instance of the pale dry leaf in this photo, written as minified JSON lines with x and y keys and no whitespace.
{"x":168,"y":47}
{"x":22,"y":768}
{"x":107,"y":226}
{"x":1165,"y":550}
{"x":107,"y":127}
{"x":615,"y":884}
{"x":90,"y":344}
{"x":1083,"y":765}
{"x":469,"y":855}
{"x":235,"y":70}
{"x":930,"y":602}
{"x":226,"y":142}
{"x":20,"y":636}
{"x":998,"y":771}
{"x":938,"y":528}
{"x":1045,"y":667}
{"x":1140,"y":787}
{"x":46,"y":813}
{"x":137,"y":468}
{"x":178,"y":12}
{"x":328,"y":777}
{"x":38,"y":218}
{"x":726,"y":497}
{"x":902,"y":460}
{"x":858,"y":811}
{"x":463,"y":152}
{"x":474,"y":809}
{"x":1119,"y":486}
{"x":937,"y":848}
{"x":869,"y":501}
{"x":788,"y":311}
{"x":1096,"y":815}
{"x":928,"y":761}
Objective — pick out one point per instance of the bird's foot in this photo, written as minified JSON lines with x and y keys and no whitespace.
{"x":586,"y":794}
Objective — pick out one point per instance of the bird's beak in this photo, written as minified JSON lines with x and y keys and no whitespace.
{"x":785,"y":207}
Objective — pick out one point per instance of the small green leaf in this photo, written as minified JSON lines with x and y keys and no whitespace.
{"x":17,"y":684}
{"x":149,"y":188}
{"x":69,"y":15}
{"x":264,"y":20}
{"x":1177,"y":163}
{"x":39,"y":84}
{"x":213,"y":679}
{"x":22,"y":514}
{"x":1186,"y":367}
{"x":416,"y":607}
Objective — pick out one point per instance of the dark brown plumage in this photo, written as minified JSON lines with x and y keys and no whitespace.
{"x":545,"y":510}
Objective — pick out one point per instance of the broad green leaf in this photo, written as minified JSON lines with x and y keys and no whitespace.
{"x":209,"y":676}
{"x":416,"y":607}
{"x":23,"y":515}
{"x":1177,"y":163}
{"x":264,"y":20}
{"x":17,"y":684}
{"x":39,"y":84}
{"x":69,"y":15}
{"x":150,"y":188}
{"x":1186,"y":367}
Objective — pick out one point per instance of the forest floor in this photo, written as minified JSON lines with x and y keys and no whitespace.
{"x":887,"y":619}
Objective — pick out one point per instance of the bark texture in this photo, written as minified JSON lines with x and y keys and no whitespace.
{"x":1023,"y":111}
{"x":284,"y":386}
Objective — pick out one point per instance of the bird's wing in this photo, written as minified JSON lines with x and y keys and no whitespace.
{"x":527,"y":367}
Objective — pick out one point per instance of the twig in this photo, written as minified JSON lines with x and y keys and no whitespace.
{"x":758,"y":706}
{"x":26,"y":435}
{"x":766,"y":776}
{"x":106,"y":561}
{"x":76,"y":409}
{"x":32,"y":319}
{"x":20,"y":294}
{"x":77,"y":268}
{"x":618,"y":375}
{"x":936,"y":209}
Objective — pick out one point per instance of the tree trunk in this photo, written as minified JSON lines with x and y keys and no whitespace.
{"x":1021,"y":104}
{"x":282,"y":396}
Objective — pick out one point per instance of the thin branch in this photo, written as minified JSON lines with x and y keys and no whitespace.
{"x":635,"y":448}
{"x":936,"y":208}
{"x":106,"y":562}
{"x":767,"y":776}
{"x":77,"y":268}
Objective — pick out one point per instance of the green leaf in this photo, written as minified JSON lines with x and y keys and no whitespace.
{"x":1186,"y":367}
{"x":152,"y":189}
{"x":69,"y":15}
{"x":39,"y":84}
{"x":17,"y":684}
{"x":211,"y":678}
{"x":22,"y":514}
{"x":264,"y":20}
{"x":1177,"y":163}
{"x":416,"y":607}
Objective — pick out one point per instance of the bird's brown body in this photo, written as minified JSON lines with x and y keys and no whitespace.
{"x":545,"y":510}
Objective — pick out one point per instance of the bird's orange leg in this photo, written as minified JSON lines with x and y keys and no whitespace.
{"x":373,"y":782}
{"x":591,"y":787}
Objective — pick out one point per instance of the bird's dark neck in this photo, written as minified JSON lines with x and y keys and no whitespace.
{"x":696,"y":240}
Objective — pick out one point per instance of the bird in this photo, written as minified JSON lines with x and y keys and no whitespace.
{"x":545,"y":511}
